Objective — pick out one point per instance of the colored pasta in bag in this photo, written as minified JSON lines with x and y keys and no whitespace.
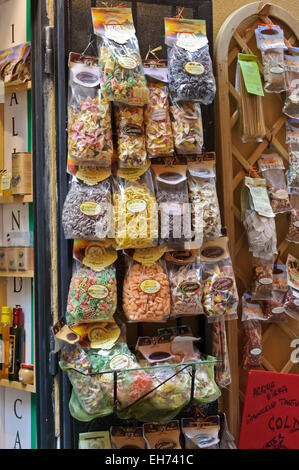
{"x":89,"y":115}
{"x":187,"y":127}
{"x":122,"y":76}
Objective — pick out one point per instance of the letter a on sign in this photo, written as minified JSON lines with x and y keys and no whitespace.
{"x":271,"y":418}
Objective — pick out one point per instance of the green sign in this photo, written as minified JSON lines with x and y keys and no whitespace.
{"x":251,"y":74}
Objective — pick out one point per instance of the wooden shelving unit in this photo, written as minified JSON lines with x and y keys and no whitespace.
{"x":16,"y":88}
{"x":15,"y":199}
{"x":17,"y":273}
{"x":17,"y":385}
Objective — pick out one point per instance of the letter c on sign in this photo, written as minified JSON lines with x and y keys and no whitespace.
{"x":15,"y":408}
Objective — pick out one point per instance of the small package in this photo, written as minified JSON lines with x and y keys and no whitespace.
{"x":187,"y":127}
{"x":122,"y":75}
{"x":146,"y":293}
{"x":94,"y":440}
{"x":162,"y":436}
{"x":291,"y":305}
{"x":291,"y":63}
{"x":89,"y":115}
{"x":135,"y":209}
{"x":125,"y":438}
{"x":293,"y":233}
{"x":206,"y":219}
{"x":262,"y":278}
{"x":190,"y":66}
{"x":292,"y":140}
{"x":251,"y":309}
{"x":130,"y":137}
{"x":220,"y":295}
{"x":201,"y":433}
{"x":87,"y":210}
{"x":270,"y":41}
{"x":184,"y":272}
{"x":252,"y":344}
{"x":220,"y":351}
{"x":272,"y":169}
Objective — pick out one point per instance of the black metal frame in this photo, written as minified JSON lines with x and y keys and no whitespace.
{"x":62,"y":43}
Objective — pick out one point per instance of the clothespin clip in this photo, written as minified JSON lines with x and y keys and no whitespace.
{"x":152,"y":52}
{"x":179,"y":15}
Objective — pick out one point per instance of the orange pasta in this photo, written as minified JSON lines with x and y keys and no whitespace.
{"x":146,"y":295}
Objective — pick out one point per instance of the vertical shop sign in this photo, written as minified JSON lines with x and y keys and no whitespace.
{"x":17,"y":419}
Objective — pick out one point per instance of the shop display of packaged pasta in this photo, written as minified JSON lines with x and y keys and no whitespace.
{"x":187,"y":127}
{"x":220,"y":295}
{"x":89,"y":115}
{"x":122,"y":75}
{"x":190,"y":67}
{"x":184,"y":272}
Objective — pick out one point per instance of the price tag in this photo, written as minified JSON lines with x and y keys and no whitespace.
{"x":251,"y":74}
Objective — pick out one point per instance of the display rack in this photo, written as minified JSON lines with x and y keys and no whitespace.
{"x":234,"y":160}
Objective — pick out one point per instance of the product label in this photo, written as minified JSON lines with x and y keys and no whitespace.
{"x":259,"y":194}
{"x":103,"y":338}
{"x":223,"y":285}
{"x":277,"y":69}
{"x":265,"y":281}
{"x":5,"y":181}
{"x":256,"y":351}
{"x":128,"y":62}
{"x":150,"y":286}
{"x":98,"y":292}
{"x":189,"y":287}
{"x":251,"y":74}
{"x":136,"y":205}
{"x":120,"y":361}
{"x":159,"y":115}
{"x":212,"y":252}
{"x":277,"y":310}
{"x":11,"y":357}
{"x":194,"y":68}
{"x":90,"y":208}
{"x":92,"y":176}
{"x":296,"y":224}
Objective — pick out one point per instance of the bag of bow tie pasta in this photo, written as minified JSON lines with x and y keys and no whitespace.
{"x":258,"y":217}
{"x":270,"y":41}
{"x":184,"y":272}
{"x":158,"y":130}
{"x":135,"y":209}
{"x":220,"y":295}
{"x":172,"y":196}
{"x":292,"y":140}
{"x":272,"y":169}
{"x":206,"y":219}
{"x":187,"y":127}
{"x":122,"y":75}
{"x":87,"y":210}
{"x":130,"y":136}
{"x":190,"y":67}
{"x":146,"y":294}
{"x":291,"y":63}
{"x":89,"y":115}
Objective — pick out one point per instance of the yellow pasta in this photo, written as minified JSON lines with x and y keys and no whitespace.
{"x":135,"y":217}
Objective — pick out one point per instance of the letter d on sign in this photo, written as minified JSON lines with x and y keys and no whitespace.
{"x":295,"y":354}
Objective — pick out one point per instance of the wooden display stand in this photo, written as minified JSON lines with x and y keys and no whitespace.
{"x":234,"y":159}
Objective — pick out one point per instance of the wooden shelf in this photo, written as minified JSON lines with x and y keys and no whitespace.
{"x":17,"y":273}
{"x":15,"y":199}
{"x":15,"y":88}
{"x":17,"y":385}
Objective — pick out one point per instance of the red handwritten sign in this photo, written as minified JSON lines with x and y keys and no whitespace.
{"x":271,"y":411}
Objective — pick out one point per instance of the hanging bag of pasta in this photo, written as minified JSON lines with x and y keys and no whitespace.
{"x":206,"y":219}
{"x":87,"y":209}
{"x":250,"y":88}
{"x":252,"y":345}
{"x":187,"y":127}
{"x":258,"y":217}
{"x":135,"y":209}
{"x":220,"y":351}
{"x":122,"y":75}
{"x":293,"y":232}
{"x":158,"y":130}
{"x":291,"y":61}
{"x":220,"y":294}
{"x":89,"y":115}
{"x":262,"y":278}
{"x":190,"y":66}
{"x":146,"y":293}
{"x":272,"y":168}
{"x":172,"y":196}
{"x":184,"y":271}
{"x":92,"y":294}
{"x":131,"y":149}
{"x":270,"y":41}
{"x":292,"y":140}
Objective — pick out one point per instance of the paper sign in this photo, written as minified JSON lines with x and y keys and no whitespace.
{"x":271,"y":411}
{"x":251,"y":74}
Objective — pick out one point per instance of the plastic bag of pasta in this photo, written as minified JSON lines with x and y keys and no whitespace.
{"x":293,"y":232}
{"x":184,"y":271}
{"x":92,"y":294}
{"x":262,"y":278}
{"x":220,"y":351}
{"x":135,"y":209}
{"x":130,"y":136}
{"x":292,"y":140}
{"x":146,"y":294}
{"x":172,"y":196}
{"x":220,"y":294}
{"x":252,"y":344}
{"x":158,"y":130}
{"x":87,"y":210}
{"x":291,"y":304}
{"x":291,"y":63}
{"x":89,"y":115}
{"x":190,"y":67}
{"x":122,"y":76}
{"x":270,"y":41}
{"x":187,"y":127}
